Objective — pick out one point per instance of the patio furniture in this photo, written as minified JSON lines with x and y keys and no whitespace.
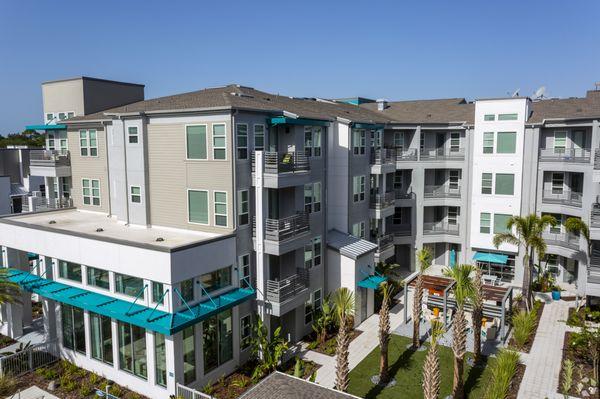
{"x":491,"y":279}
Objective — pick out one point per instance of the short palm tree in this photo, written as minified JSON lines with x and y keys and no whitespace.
{"x":462,"y":290}
{"x":424,"y":259}
{"x":528,"y":235}
{"x":387,"y":291}
{"x":578,"y":226}
{"x":343,"y":300}
{"x":431,"y":367}
{"x":477,"y":315}
{"x":9,"y":292}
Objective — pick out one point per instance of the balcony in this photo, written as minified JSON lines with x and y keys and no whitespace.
{"x":385,"y":247}
{"x":595,"y":216}
{"x":288,"y":293}
{"x":566,"y":197}
{"x":406,"y":155}
{"x":286,"y":234}
{"x":50,"y":163}
{"x":441,"y":228}
{"x":442,"y":191}
{"x":381,"y":201}
{"x":565,"y":240}
{"x":284,"y":169}
{"x":401,"y":230}
{"x":401,"y":194}
{"x":38,"y":204}
{"x":383,"y":156}
{"x":576,"y":155}
{"x":442,"y":154}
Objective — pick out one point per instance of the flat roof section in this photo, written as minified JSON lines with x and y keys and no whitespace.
{"x":98,"y":226}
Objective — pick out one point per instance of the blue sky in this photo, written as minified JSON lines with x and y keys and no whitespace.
{"x":390,"y":49}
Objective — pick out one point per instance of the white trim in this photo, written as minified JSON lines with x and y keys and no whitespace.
{"x":187,"y":206}
{"x":220,"y":214}
{"x":212,"y":134}
{"x":241,"y":330}
{"x":129,"y":135}
{"x":91,"y":192}
{"x":140,"y":195}
{"x":237,"y":144}
{"x":264,"y":135}
{"x":185,"y":127}
{"x":88,"y":147}
{"x":239,"y":207}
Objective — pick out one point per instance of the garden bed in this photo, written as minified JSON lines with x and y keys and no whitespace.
{"x":578,"y":316}
{"x":36,"y":310}
{"x":6,"y":341}
{"x":328,"y":347}
{"x":539,"y":307}
{"x":582,"y":368}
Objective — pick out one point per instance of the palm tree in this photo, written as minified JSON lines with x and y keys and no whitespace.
{"x":343,"y":300}
{"x":528,"y":235}
{"x":387,"y":290}
{"x":431,"y":366}
{"x":462,"y":290}
{"x":578,"y":226}
{"x":477,"y":315}
{"x":424,"y":259}
{"x":9,"y":292}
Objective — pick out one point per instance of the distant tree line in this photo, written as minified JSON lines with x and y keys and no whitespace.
{"x":30,"y":138}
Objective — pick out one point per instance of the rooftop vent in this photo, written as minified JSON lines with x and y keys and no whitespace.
{"x":99,"y":230}
{"x":381,"y":104}
{"x":52,"y":222}
{"x":160,"y":239}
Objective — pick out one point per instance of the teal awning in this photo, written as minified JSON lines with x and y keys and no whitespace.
{"x":372,"y":282}
{"x":283,"y":120}
{"x":374,"y":126}
{"x":46,"y":127}
{"x":129,"y":312}
{"x":32,"y":256}
{"x":490,"y":257}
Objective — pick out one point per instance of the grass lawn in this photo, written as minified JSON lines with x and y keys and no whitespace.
{"x":406,"y":366}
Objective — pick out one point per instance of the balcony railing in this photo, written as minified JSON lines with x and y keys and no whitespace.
{"x":568,"y":240}
{"x":281,"y":291}
{"x":566,"y":197}
{"x":442,"y":191}
{"x":287,"y":228}
{"x":406,"y":155}
{"x":385,"y":242}
{"x":283,"y":162}
{"x":595,"y":216}
{"x":442,"y":154}
{"x":402,"y":194}
{"x":565,"y":155}
{"x":401,"y":230}
{"x":441,"y":228}
{"x":380,"y":201}
{"x":383,"y":156}
{"x":49,"y":158}
{"x":45,"y":204}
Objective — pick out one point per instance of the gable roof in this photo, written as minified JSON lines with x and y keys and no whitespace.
{"x":567,"y":108}
{"x":427,"y":111}
{"x":283,"y":386}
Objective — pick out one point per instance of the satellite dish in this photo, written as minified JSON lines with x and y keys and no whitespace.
{"x":540,"y":93}
{"x":516,"y":93}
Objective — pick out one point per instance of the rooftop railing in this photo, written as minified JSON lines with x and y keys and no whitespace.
{"x":565,"y":155}
{"x":281,"y":291}
{"x":564,"y":197}
{"x":442,"y":191}
{"x":283,"y":162}
{"x":406,"y":155}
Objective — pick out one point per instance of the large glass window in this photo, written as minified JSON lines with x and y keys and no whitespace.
{"x":187,"y":290}
{"x":217,"y":335}
{"x":91,"y":191}
{"x":488,"y":142}
{"x":484,"y":222}
{"x":198,"y":206}
{"x":132,"y":349}
{"x":88,"y":143}
{"x":245,"y":332}
{"x":359,"y":141}
{"x":244,"y":270}
{"x":358,"y":229}
{"x":560,"y":141}
{"x":101,"y":338}
{"x":73,"y":328}
{"x":128,"y":285}
{"x":507,"y":143}
{"x":486,"y":183}
{"x":196,"y":142}
{"x":500,"y":221}
{"x":243,"y":207}
{"x":358,"y":188}
{"x":220,"y":208}
{"x":508,"y":117}
{"x":505,"y":183}
{"x":189,"y":355}
{"x":219,"y":141}
{"x":216,"y":280}
{"x":259,"y":137}
{"x":160,"y":355}
{"x":157,"y":292}
{"x":69,"y":271}
{"x":241,"y":132}
{"x":98,"y":278}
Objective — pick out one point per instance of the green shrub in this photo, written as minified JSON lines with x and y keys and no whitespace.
{"x":241,"y":382}
{"x":523,"y":327}
{"x":69,"y":384}
{"x":86,"y":389}
{"x":94,"y":379}
{"x":298,"y":368}
{"x":503,"y":369}
{"x":568,"y":367}
{"x":8,"y":385}
{"x":208,"y":389}
{"x":116,"y":391}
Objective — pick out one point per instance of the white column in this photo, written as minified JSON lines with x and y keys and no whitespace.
{"x":262,"y":263}
{"x":49,"y":183}
{"x":48,"y":305}
{"x":17,"y":314}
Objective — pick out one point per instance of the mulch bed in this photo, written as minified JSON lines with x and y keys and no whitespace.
{"x":328,"y":347}
{"x":527,"y":347}
{"x":36,"y":310}
{"x":6,"y":341}
{"x":515,"y":383}
{"x":581,"y":367}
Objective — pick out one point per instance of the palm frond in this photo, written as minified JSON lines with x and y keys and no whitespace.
{"x":508,"y":238}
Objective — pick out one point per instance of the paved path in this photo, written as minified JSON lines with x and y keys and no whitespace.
{"x":32,"y":393}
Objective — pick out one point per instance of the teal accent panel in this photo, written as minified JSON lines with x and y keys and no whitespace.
{"x":372,"y":282}
{"x":491,"y":258}
{"x":46,"y":127}
{"x":367,"y":126}
{"x":282,"y":120}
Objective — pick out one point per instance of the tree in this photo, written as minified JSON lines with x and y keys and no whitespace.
{"x":30,"y":138}
{"x":578,"y":226}
{"x":587,"y":344}
{"x":9,"y":292}
{"x":462,"y":290}
{"x":267,"y":350}
{"x":387,"y":291}
{"x":323,"y":320}
{"x":343,"y":300}
{"x":528,"y":234}
{"x":424,"y":259}
{"x":431,"y":367}
{"x":477,"y":315}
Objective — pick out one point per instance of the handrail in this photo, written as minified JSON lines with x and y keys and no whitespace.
{"x":283,"y":162}
{"x":441,"y":153}
{"x":567,"y":196}
{"x":442,"y":190}
{"x":565,"y":154}
{"x":409,"y":154}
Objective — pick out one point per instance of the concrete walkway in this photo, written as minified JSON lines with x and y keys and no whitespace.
{"x":33,"y":392}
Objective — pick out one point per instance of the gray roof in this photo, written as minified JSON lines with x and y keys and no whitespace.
{"x":348,"y":245}
{"x":567,"y":108}
{"x":427,"y":111}
{"x":283,"y":386}
{"x":16,"y":190}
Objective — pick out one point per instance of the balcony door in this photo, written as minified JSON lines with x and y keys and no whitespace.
{"x":440,"y":141}
{"x":578,"y":140}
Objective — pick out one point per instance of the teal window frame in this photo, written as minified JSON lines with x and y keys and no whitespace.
{"x":506,"y":143}
{"x":196,"y":143}
{"x":505,"y":184}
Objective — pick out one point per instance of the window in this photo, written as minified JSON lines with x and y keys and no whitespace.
{"x":88,"y":143}
{"x":505,"y":183}
{"x":62,"y":116}
{"x":98,"y":278}
{"x":132,"y":134}
{"x":69,"y":271}
{"x":317,"y":300}
{"x":358,"y":229}
{"x":216,"y":280}
{"x":454,"y":177}
{"x":218,"y":340}
{"x":454,"y":142}
{"x":187,"y":289}
{"x":312,"y":140}
{"x":101,"y":338}
{"x":259,"y":137}
{"x":317,"y":197}
{"x":317,"y":251}
{"x":486,"y":183}
{"x":558,"y":182}
{"x":219,"y":141}
{"x":313,"y":253}
{"x":398,"y":177}
{"x":489,"y":117}
{"x":241,"y":132}
{"x":317,"y":137}
{"x":91,"y":191}
{"x":552,"y":265}
{"x":73,"y":329}
{"x":556,"y":229}
{"x":244,"y":270}
{"x":500,"y":221}
{"x":507,"y":117}
{"x":484,"y":222}
{"x":358,"y":141}
{"x":453,"y":212}
{"x":70,"y":114}
{"x":128,"y":285}
{"x":189,"y":355}
{"x":160,"y":355}
{"x":507,"y":143}
{"x":51,"y":142}
{"x":488,"y":142}
{"x":308,"y":196}
{"x":243,"y":207}
{"x":132,"y":349}
{"x":198,"y":206}
{"x":308,"y":310}
{"x":220,"y":208}
{"x":157,"y":292}
{"x":245,"y":332}
{"x":196,"y":142}
{"x":560,"y":141}
{"x":312,"y":197}
{"x":49,"y":117}
{"x":399,"y":140}
{"x":358,"y":188}
{"x":376,"y":138}
{"x":397,"y":218}
{"x":136,"y":194}
{"x":308,"y":141}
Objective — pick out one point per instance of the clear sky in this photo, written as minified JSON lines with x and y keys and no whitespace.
{"x":378,"y":49}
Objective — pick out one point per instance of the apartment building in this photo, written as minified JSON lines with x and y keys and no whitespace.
{"x":16,"y":182}
{"x":193,"y":213}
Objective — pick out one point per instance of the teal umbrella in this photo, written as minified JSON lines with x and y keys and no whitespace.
{"x":452,"y":258}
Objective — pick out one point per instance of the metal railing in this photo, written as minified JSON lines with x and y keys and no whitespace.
{"x":283,"y":162}
{"x":442,"y":191}
{"x":401,"y":230}
{"x":44,"y":204}
{"x":565,"y":155}
{"x":286,"y":228}
{"x":595,"y":216}
{"x":281,"y":291}
{"x":29,"y":359}
{"x":441,"y":228}
{"x":403,"y":194}
{"x":566,"y":197}
{"x":380,"y":201}
{"x":442,"y":153}
{"x":383,"y":156}
{"x":568,"y":240}
{"x":181,"y":391}
{"x":384,"y":242}
{"x":406,"y":155}
{"x":49,"y":158}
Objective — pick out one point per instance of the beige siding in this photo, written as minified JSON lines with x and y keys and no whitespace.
{"x":171,"y":175}
{"x":89,"y":167}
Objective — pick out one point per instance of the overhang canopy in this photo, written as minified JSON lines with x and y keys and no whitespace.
{"x":349,"y":245}
{"x":490,"y":257}
{"x":46,"y":127}
{"x":375,"y":126}
{"x":372,"y":282}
